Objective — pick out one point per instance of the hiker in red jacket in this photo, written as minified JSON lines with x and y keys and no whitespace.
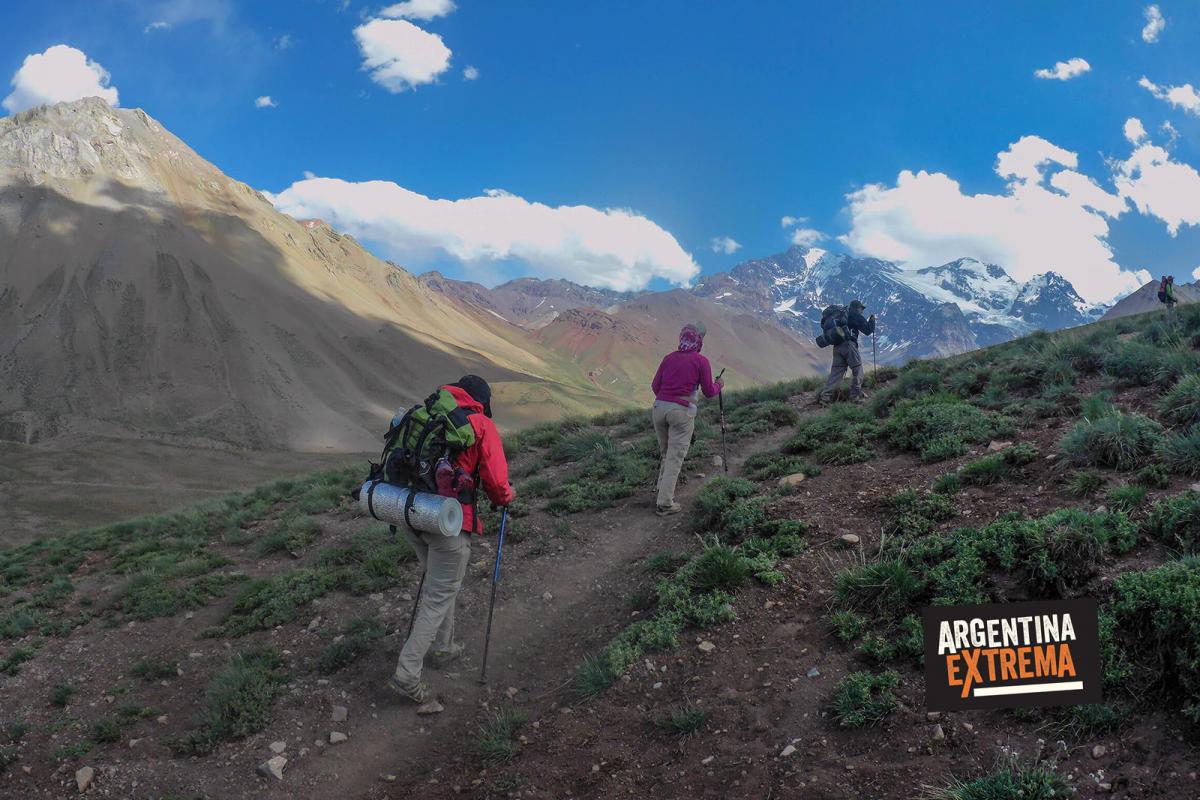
{"x":680,"y":378}
{"x":444,"y":558}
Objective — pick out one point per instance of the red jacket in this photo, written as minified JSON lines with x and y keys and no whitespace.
{"x":485,"y":458}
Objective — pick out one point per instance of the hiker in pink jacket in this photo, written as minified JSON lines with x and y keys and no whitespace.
{"x":681,"y":376}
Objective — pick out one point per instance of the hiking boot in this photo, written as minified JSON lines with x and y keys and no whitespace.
{"x":419,"y":693}
{"x":443,"y":658}
{"x":666,"y":511}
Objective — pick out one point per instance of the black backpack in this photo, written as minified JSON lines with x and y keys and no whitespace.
{"x":835,"y":327}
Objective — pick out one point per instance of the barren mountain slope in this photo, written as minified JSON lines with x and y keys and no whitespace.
{"x":142,"y":292}
{"x":1146,"y":299}
{"x":621,"y":349}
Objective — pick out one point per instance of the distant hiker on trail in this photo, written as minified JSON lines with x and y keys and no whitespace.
{"x":680,"y":378}
{"x":1166,"y":291}
{"x":444,"y":558}
{"x":841,"y":328}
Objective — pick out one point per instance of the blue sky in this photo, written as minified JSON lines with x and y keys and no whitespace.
{"x":709,"y":119}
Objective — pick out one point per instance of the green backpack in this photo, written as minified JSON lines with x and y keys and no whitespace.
{"x":427,"y":435}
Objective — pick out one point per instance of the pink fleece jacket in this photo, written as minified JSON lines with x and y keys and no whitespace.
{"x":678,"y":376}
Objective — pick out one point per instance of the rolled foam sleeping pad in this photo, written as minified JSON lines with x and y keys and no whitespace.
{"x":430,"y":513}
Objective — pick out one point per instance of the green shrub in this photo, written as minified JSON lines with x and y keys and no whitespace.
{"x":1118,"y":440}
{"x":983,"y":471}
{"x":1087,"y":721}
{"x":61,"y":695}
{"x":495,"y":739}
{"x":664,"y":563}
{"x":847,"y":625}
{"x":719,"y":567}
{"x":775,"y":413}
{"x":844,"y":453}
{"x":585,"y":444}
{"x":1152,"y":476}
{"x":356,"y":641}
{"x":1180,"y":404}
{"x":865,"y":698}
{"x":1158,"y":612}
{"x":1176,"y":521}
{"x":154,"y":669}
{"x":1180,"y":452}
{"x":11,"y":664}
{"x":847,"y":425}
{"x":1126,"y":498}
{"x":1084,"y":483}
{"x":292,"y":533}
{"x":886,"y":583}
{"x":1177,"y":364}
{"x":236,"y":702}
{"x":1133,"y":363}
{"x":683,"y":720}
{"x":1012,"y":781}
{"x":716,"y":498}
{"x":947,"y":483}
{"x":763,"y":466}
{"x":930,"y":426}
{"x":916,"y":514}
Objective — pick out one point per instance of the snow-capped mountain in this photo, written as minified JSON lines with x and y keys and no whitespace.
{"x":933,"y":311}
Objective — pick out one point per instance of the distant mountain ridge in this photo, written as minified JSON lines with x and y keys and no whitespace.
{"x":933,"y":311}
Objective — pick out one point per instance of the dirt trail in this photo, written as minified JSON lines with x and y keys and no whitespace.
{"x":537,"y":644}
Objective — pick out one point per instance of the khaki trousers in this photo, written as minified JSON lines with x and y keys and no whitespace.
{"x":444,"y":559}
{"x":845,"y":356}
{"x":673,"y":424}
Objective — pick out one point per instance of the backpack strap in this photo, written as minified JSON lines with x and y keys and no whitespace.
{"x":408,"y":504}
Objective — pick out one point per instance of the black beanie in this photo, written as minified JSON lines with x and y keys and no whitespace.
{"x":478,"y":388}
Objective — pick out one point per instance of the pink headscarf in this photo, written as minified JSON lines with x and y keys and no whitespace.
{"x":690,"y":339}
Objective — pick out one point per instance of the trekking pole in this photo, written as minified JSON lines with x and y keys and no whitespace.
{"x":721,"y":405}
{"x":416,"y":603}
{"x":874,"y":361}
{"x":487,"y":638}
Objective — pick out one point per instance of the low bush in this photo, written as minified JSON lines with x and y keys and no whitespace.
{"x":939,"y":427}
{"x":1153,"y":476}
{"x":1158,"y":613}
{"x":1132,"y":363}
{"x":1118,"y":440}
{"x":683,"y":720}
{"x":237,"y":702}
{"x":764,"y":466}
{"x":916,"y":514}
{"x":1126,"y":498}
{"x":1011,"y":781}
{"x":1176,"y":521}
{"x":715,"y":500}
{"x":582,"y":445}
{"x":356,"y":641}
{"x":1180,"y":404}
{"x":865,"y":698}
{"x":1180,"y":452}
{"x":496,"y":738}
{"x":1084,"y":483}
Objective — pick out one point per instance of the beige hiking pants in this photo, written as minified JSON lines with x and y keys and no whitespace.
{"x":674,"y":424}
{"x":444,"y":559}
{"x":845,"y":356}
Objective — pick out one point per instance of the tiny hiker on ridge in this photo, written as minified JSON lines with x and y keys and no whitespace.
{"x":680,"y":377}
{"x":841,"y":328}
{"x":444,"y":558}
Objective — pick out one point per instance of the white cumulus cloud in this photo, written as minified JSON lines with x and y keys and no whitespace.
{"x":1134,"y":130}
{"x":615,"y":248}
{"x":1160,"y":187}
{"x":1185,"y":97}
{"x":791,"y":222}
{"x":1154,"y":24}
{"x":807,"y":237}
{"x":1049,"y":217}
{"x":58,"y":75}
{"x":399,"y":55}
{"x":471,"y":73}
{"x":419,"y":9}
{"x":265,"y":102}
{"x":1196,"y":274}
{"x":725,"y":244}
{"x":1064,"y":70}
{"x":157,"y":25}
